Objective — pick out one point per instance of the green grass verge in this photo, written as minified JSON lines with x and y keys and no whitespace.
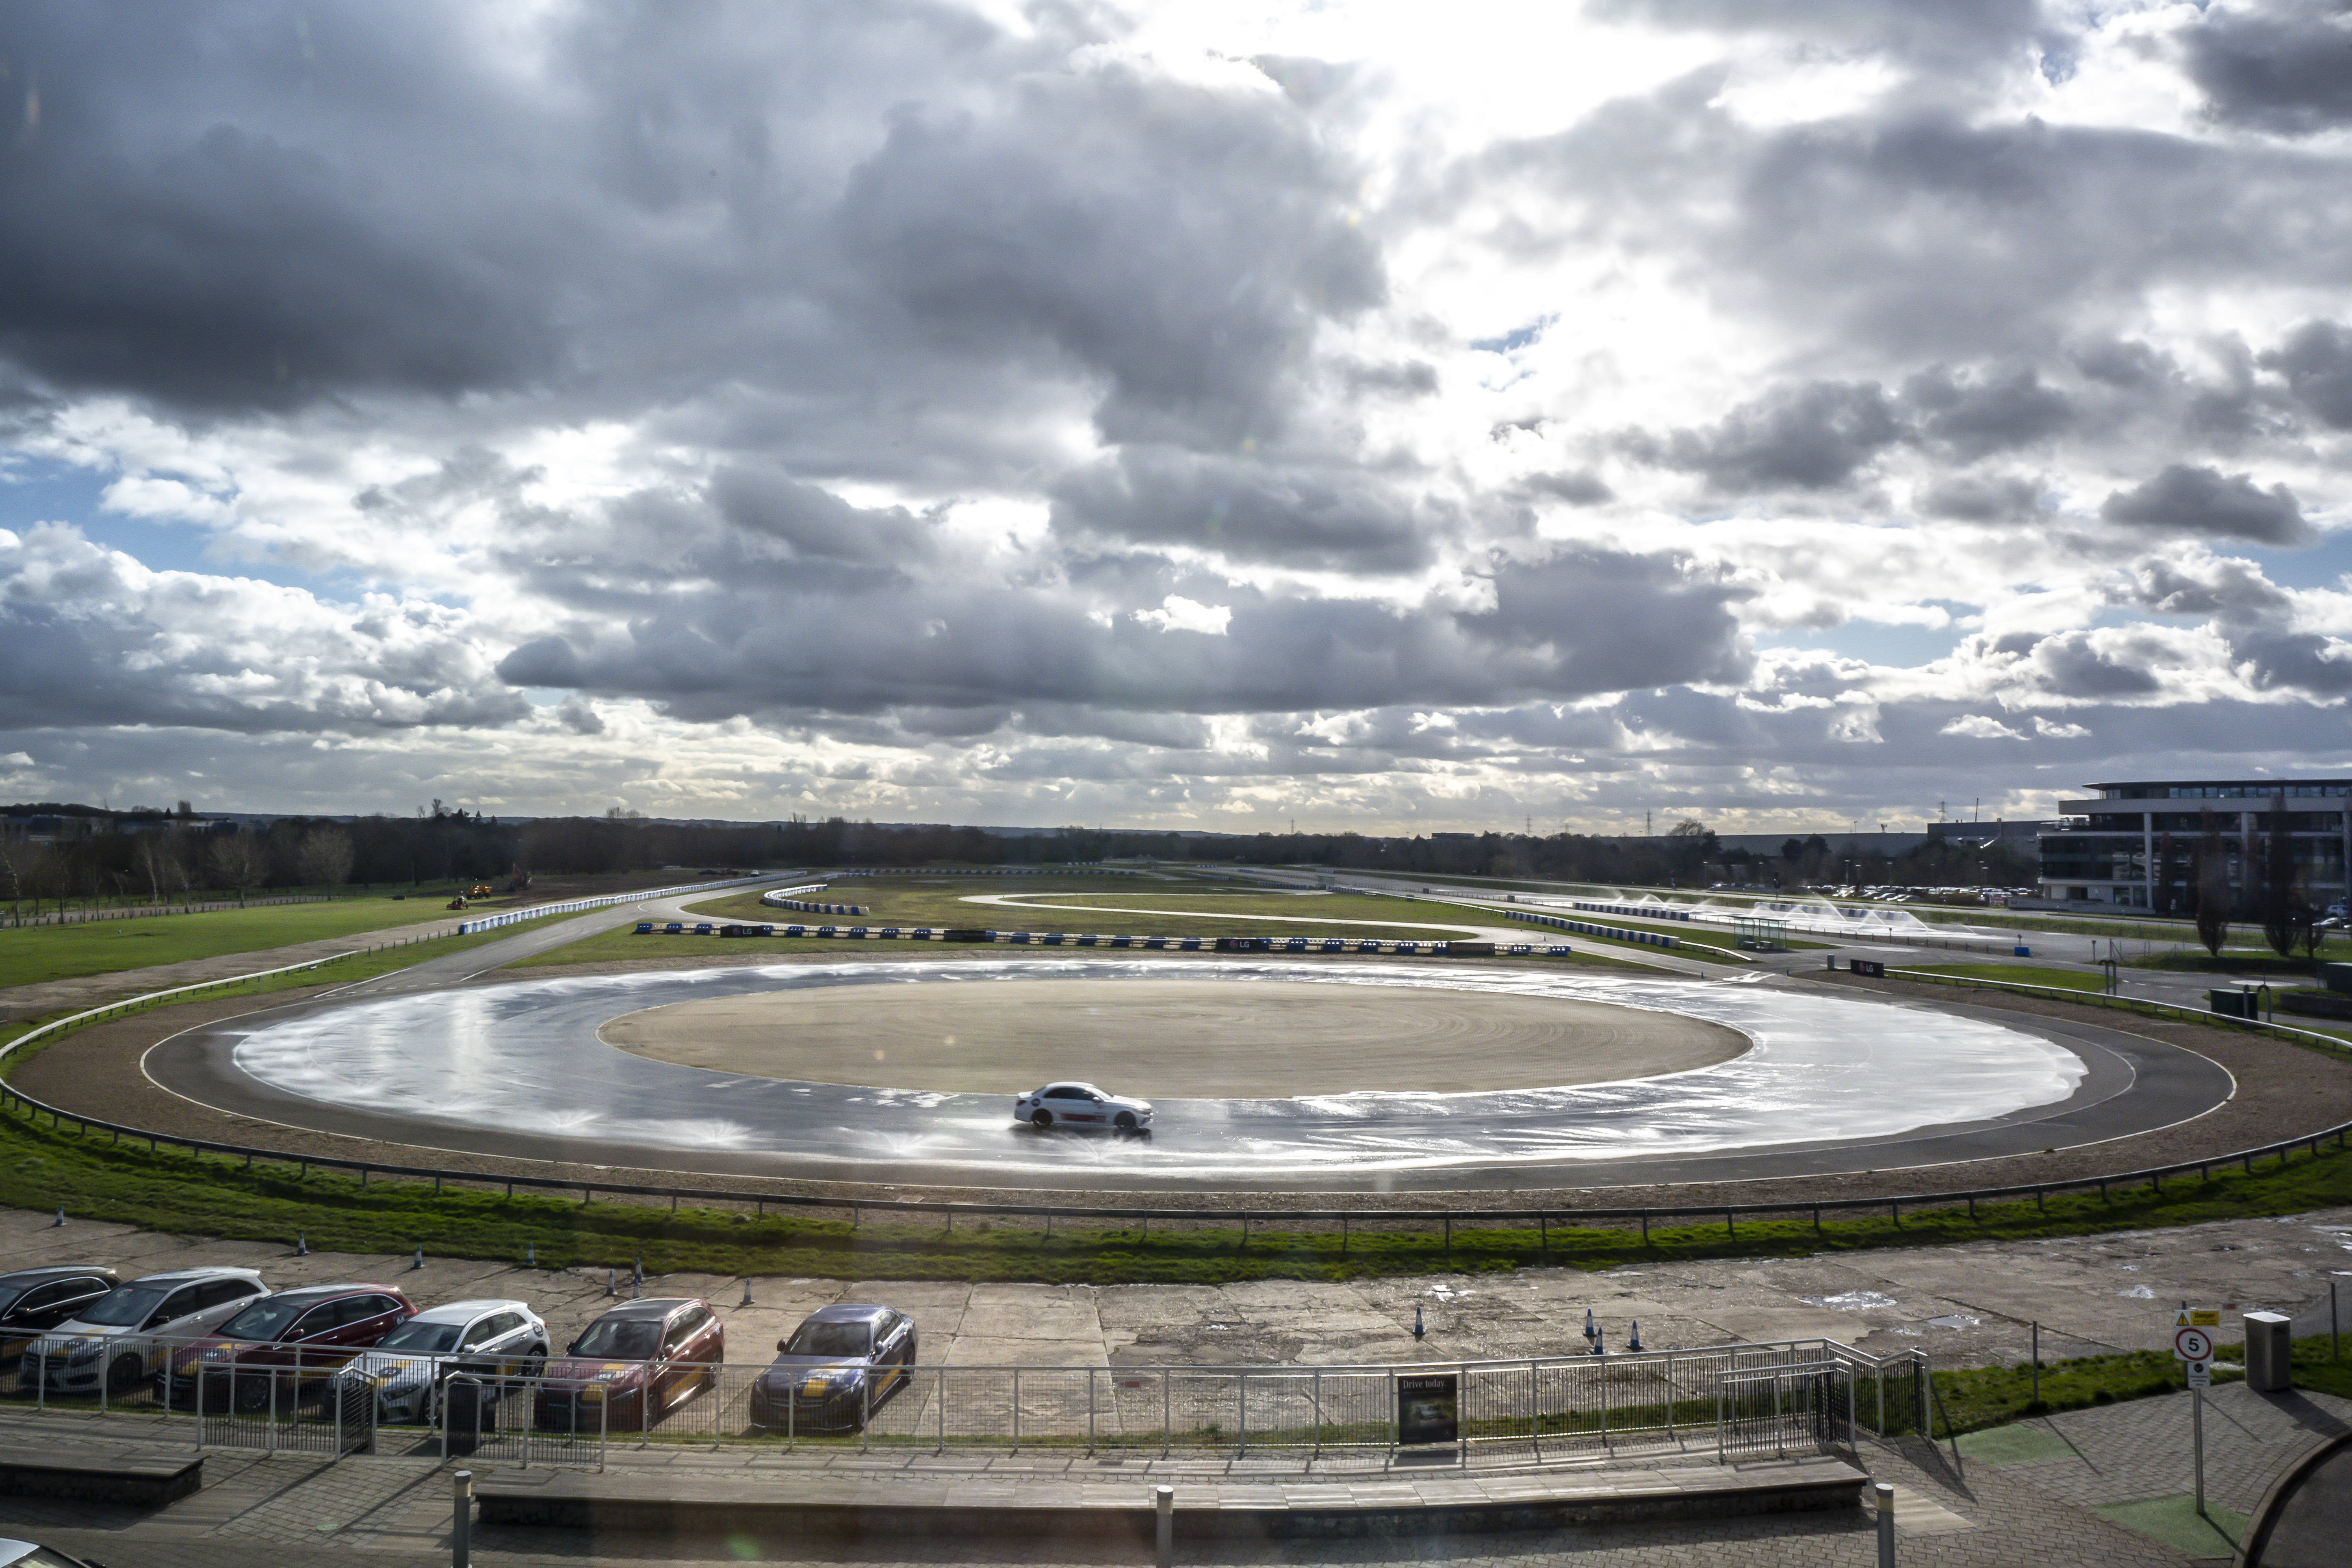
{"x":1987,"y":1399}
{"x":42,"y":1168}
{"x":29,"y":954}
{"x":2015,"y":973}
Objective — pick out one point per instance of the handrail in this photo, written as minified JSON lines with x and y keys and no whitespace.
{"x":1542,"y":1217}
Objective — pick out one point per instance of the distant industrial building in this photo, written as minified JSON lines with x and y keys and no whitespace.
{"x":2108,"y":849}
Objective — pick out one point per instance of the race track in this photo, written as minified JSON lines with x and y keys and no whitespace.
{"x":1829,"y":1083}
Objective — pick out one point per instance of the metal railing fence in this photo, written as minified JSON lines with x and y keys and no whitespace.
{"x":1732,"y":1399}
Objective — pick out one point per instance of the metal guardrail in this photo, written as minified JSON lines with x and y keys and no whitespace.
{"x":1348,"y":1220}
{"x":1739,"y":1399}
{"x":603,"y":901}
{"x":2327,"y":1042}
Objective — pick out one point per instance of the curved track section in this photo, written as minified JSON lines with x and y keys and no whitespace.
{"x":1830,"y":1084}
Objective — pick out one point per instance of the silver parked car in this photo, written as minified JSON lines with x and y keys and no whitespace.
{"x":493,"y":1338}
{"x":125,"y":1330}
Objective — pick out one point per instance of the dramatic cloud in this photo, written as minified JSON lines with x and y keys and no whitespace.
{"x":1782,"y":411}
{"x":2183,"y":500}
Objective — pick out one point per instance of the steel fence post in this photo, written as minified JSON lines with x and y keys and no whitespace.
{"x":1166,"y":1417}
{"x":461,"y":1520}
{"x":1885,"y":1495}
{"x":1244,"y":1403}
{"x":1535,"y":1405}
{"x":1016,"y":1409}
{"x":1090,"y":1412}
{"x":1316,"y":1394}
{"x":1163,"y":1500}
{"x":604,"y":1431}
{"x":1719,"y":1417}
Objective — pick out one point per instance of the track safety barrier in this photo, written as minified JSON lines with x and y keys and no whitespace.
{"x":1585,"y":928}
{"x":810,"y":909}
{"x":1632,"y":912}
{"x":574,"y":906}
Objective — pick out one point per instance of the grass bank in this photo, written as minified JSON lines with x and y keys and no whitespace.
{"x":2015,"y":973}
{"x":29,"y":954}
{"x":43,"y":1168}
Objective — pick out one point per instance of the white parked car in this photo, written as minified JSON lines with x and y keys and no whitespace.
{"x":493,"y":1338}
{"x":1081,"y":1105}
{"x":126,"y":1330}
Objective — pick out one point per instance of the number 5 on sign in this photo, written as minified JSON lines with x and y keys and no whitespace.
{"x":2192,"y":1345}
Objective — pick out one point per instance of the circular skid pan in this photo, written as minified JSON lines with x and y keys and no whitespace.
{"x":518,"y":1070}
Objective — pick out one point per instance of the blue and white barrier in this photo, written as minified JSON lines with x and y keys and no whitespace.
{"x":1615,"y":933}
{"x":778,"y":895}
{"x":1634,"y":911}
{"x":1091,"y":867}
{"x":574,"y":906}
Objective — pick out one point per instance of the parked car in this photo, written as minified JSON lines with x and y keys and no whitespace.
{"x":492,"y":1338}
{"x":834,"y":1370}
{"x":125,"y":1334}
{"x":32,"y":1299}
{"x":307,"y":1335}
{"x":632,"y":1365}
{"x":32,"y":1555}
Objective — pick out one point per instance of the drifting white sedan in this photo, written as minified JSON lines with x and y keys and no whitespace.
{"x":1082,"y":1105}
{"x":485,"y":1338}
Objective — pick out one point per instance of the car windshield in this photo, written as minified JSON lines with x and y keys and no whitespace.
{"x":829,"y":1339}
{"x":124,"y":1306}
{"x":619,"y":1339}
{"x":417,"y":1335}
{"x":263,"y":1320}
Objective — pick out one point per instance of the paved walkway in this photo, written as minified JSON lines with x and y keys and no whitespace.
{"x":2063,"y":1491}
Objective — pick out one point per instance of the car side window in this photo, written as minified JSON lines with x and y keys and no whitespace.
{"x":41,"y":1297}
{"x":221,"y":1292}
{"x":179,"y":1304}
{"x":317,"y":1321}
{"x":505,"y":1323}
{"x":481,"y":1333}
{"x":377,"y":1305}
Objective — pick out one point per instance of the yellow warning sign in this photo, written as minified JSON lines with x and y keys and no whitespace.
{"x":2197,"y":1317}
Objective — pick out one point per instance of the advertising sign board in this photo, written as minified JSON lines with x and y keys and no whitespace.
{"x":1429,"y":1408}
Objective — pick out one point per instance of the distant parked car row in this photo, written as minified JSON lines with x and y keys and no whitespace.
{"x":221,"y":1338}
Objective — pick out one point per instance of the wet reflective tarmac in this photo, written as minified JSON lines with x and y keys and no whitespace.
{"x":519,"y":1068}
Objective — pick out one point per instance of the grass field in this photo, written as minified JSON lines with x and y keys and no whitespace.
{"x":2016,"y":975}
{"x":33,"y":953}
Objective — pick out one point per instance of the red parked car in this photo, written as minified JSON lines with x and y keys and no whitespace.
{"x":630,"y":1366}
{"x":293,"y":1340}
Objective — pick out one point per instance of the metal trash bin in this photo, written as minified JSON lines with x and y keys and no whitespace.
{"x":461,"y":1414}
{"x":2270,"y":1348}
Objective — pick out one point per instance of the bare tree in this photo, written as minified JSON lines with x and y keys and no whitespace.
{"x":149,"y":857}
{"x":325,"y":857}
{"x":2282,"y":894}
{"x":236,"y":861}
{"x":2210,"y":875}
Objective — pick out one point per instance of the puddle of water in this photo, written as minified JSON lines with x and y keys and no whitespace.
{"x":1953,"y":1320}
{"x":2138,"y":1293}
{"x":1851,"y":1300}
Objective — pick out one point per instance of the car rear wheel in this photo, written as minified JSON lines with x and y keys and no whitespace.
{"x":1041,"y":1120}
{"x":252,"y":1392}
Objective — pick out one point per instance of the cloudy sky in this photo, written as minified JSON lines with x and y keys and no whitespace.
{"x":1388,"y":416}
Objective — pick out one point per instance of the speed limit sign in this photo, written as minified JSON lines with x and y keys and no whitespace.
{"x":2192,"y":1345}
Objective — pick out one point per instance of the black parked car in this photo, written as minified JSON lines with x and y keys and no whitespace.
{"x":32,"y":1299}
{"x":839,"y":1365}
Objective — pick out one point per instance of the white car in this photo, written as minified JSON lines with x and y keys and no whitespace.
{"x":130,"y":1328}
{"x":1081,"y":1105}
{"x":406,"y":1368}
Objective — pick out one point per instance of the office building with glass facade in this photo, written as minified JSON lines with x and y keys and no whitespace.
{"x":2113,"y":848}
